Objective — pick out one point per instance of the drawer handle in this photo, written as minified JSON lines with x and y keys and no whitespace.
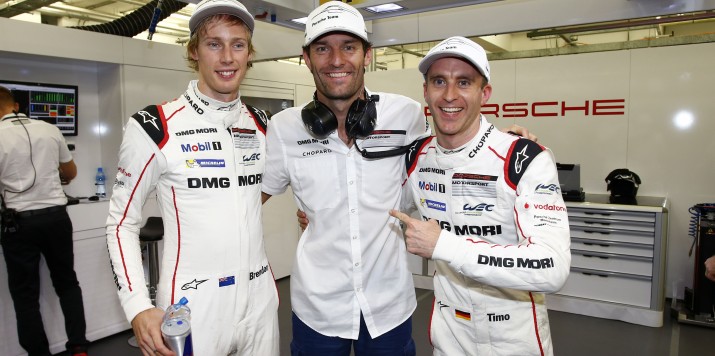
{"x":596,"y":222}
{"x":592,"y":213}
{"x":594,"y":274}
{"x":597,"y":232}
{"x":601,"y":257}
{"x":593,"y":244}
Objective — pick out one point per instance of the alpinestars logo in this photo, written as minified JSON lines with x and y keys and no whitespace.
{"x":521,"y":157}
{"x":148,"y":118}
{"x":193,"y":284}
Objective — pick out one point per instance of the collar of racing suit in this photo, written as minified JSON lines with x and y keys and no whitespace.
{"x":217,"y":112}
{"x":473,"y":148}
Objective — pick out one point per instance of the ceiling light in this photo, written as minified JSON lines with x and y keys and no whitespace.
{"x":384,"y":8}
{"x":301,"y":20}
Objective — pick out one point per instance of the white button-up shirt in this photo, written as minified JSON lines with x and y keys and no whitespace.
{"x":352,"y":258}
{"x":19,"y":169}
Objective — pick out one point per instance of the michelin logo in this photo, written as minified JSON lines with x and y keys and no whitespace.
{"x":432,"y":204}
{"x":205,"y":163}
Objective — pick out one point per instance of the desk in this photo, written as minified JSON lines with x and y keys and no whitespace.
{"x":103,"y":312}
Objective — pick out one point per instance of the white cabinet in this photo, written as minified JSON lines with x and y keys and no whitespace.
{"x":617,"y":260}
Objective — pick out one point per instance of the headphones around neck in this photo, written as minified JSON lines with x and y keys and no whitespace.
{"x":359,"y":123}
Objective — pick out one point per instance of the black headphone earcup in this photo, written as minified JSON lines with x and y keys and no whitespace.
{"x":318,"y":119}
{"x":360,"y":121}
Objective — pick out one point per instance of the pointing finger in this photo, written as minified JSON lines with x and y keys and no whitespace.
{"x":400,"y":215}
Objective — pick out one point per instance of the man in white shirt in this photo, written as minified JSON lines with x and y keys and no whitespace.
{"x":350,"y":285}
{"x":34,"y":163}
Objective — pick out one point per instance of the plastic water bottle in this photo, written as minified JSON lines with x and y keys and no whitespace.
{"x":99,"y":180}
{"x":176,"y":328}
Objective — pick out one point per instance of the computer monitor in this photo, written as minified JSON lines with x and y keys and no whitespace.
{"x":569,"y":176}
{"x":53,"y":103}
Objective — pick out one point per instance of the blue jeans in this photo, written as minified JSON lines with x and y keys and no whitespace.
{"x":308,"y":342}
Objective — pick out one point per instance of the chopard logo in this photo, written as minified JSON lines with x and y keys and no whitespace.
{"x":481,"y":142}
{"x":196,"y":108}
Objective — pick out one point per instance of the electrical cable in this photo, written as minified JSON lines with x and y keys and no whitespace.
{"x":696,"y":211}
{"x":154,"y":20}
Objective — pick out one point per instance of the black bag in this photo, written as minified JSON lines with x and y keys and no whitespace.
{"x":623,"y":185}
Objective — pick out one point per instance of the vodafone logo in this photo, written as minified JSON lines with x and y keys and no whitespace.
{"x":549,"y":207}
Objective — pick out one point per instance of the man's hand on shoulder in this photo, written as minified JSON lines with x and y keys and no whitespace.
{"x":521,"y":131}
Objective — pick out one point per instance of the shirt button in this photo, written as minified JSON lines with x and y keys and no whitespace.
{"x":357,"y":264}
{"x":355,"y":237}
{"x":351,"y":182}
{"x":352,"y":211}
{"x":359,"y":289}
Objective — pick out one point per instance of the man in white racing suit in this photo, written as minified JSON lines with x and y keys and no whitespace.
{"x":494,"y":219}
{"x":203,"y":154}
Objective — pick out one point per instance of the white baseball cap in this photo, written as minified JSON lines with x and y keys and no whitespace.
{"x":334,"y":16}
{"x":458,"y":47}
{"x":207,"y":8}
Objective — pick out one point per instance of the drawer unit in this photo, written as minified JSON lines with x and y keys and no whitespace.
{"x":617,"y":260}
{"x":635,"y":265}
{"x":608,"y":287}
{"x":617,"y":247}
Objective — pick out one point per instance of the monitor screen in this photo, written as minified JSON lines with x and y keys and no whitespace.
{"x":52,"y":103}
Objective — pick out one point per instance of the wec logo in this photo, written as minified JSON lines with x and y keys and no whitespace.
{"x":478,"y":207}
{"x":253,"y":157}
{"x":547,"y":189}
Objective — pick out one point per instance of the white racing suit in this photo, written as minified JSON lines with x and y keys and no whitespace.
{"x":504,"y":242}
{"x":206,"y":166}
